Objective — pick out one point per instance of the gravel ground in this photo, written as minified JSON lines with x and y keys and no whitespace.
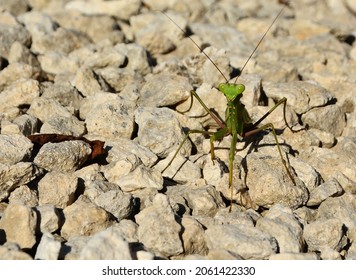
{"x":102,"y":85}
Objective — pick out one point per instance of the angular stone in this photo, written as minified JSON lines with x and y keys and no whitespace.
{"x":86,"y":81}
{"x":122,"y":9}
{"x":159,"y":130}
{"x":130,"y":175}
{"x":181,"y":169}
{"x":268,"y":183}
{"x":64,"y":156}
{"x":107,"y":245}
{"x":123,"y":148}
{"x":64,"y":125}
{"x":158,"y":229}
{"x":280,"y":223}
{"x":111,"y":119}
{"x":48,"y":248}
{"x":14,"y":148}
{"x":49,"y":217}
{"x":341,"y":208}
{"x":45,"y":109}
{"x":302,"y":96}
{"x":246,"y":241}
{"x":324,"y":234}
{"x":16,"y":175}
{"x":328,"y":163}
{"x":204,"y":201}
{"x":295,"y":256}
{"x":60,"y":40}
{"x":164,"y":90}
{"x":57,"y":189}
{"x":24,"y":124}
{"x":11,"y":33}
{"x":24,"y":195}
{"x":19,"y":224}
{"x":193,"y":236}
{"x":11,"y":251}
{"x":84,"y":218}
{"x":11,"y":74}
{"x":72,"y":248}
{"x":323,"y":191}
{"x":110,"y":197}
{"x":329,"y":118}
{"x":57,"y":63}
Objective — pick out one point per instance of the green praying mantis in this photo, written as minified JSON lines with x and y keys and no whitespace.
{"x":237,"y":122}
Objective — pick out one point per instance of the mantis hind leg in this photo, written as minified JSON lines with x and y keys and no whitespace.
{"x":181,"y":144}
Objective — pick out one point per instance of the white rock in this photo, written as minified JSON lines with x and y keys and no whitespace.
{"x":49,"y":217}
{"x":294,"y":256}
{"x":327,"y":139}
{"x":24,"y":124}
{"x":57,"y":189}
{"x":159,"y":131}
{"x":302,"y":96}
{"x":329,"y":118}
{"x":64,"y":125}
{"x":111,"y":119}
{"x":11,"y":251}
{"x":323,"y":191}
{"x":280,"y":223}
{"x":113,"y":200}
{"x":84,"y":218}
{"x":204,"y":201}
{"x":57,"y":63}
{"x":246,"y":241}
{"x":137,"y":58}
{"x":181,"y":170}
{"x":14,"y":148}
{"x":118,"y":8}
{"x":139,"y":178}
{"x":324,"y":234}
{"x":45,"y":109}
{"x":341,"y":208}
{"x":108,"y":57}
{"x":193,"y":236}
{"x":164,"y":90}
{"x":24,"y":195}
{"x":18,"y":87}
{"x":107,"y":245}
{"x":19,"y":224}
{"x":268,"y":183}
{"x":328,"y":163}
{"x":72,"y":248}
{"x":48,"y":248}
{"x":123,"y":148}
{"x":64,"y":156}
{"x":158,"y":229}
{"x":330,"y":254}
{"x":16,"y":175}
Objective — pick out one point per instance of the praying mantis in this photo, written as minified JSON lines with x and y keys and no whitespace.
{"x":237,"y":122}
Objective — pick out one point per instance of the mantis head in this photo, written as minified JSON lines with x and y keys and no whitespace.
{"x":231,"y":91}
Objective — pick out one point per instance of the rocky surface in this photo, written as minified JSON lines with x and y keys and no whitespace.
{"x":121,"y":72}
